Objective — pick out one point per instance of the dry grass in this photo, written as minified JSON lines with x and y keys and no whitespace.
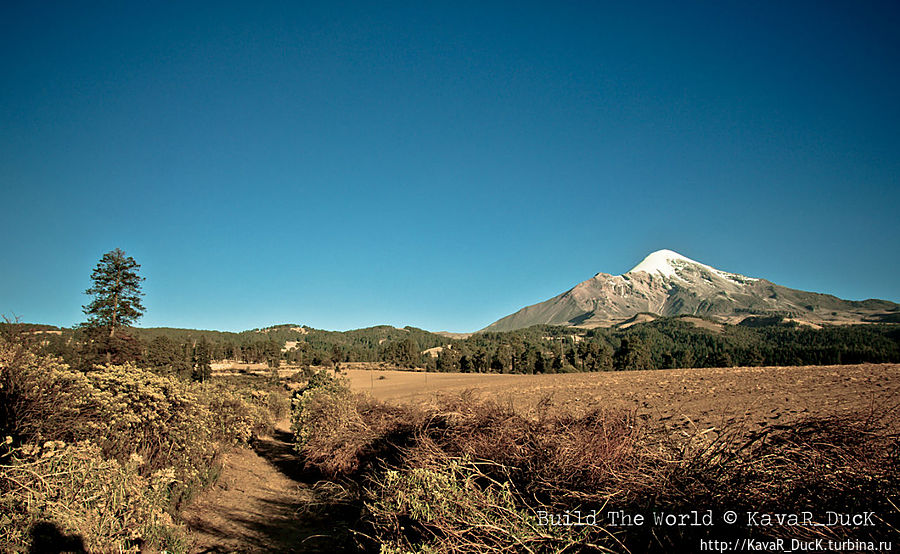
{"x":473,"y":475}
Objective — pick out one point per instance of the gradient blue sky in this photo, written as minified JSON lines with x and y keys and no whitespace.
{"x":439,"y":165}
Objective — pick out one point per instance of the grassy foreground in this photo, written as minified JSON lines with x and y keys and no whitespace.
{"x":478,"y":476}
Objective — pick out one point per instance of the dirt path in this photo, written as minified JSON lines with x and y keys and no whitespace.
{"x":265,"y":502}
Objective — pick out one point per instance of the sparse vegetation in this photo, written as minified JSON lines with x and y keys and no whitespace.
{"x":468,"y":475}
{"x":107,"y":456}
{"x":475,"y":476}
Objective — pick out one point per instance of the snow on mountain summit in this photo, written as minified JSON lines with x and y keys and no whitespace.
{"x":667,"y":263}
{"x":668,"y":284}
{"x":661,"y":262}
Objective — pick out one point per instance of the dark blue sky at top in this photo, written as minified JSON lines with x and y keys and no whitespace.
{"x":439,"y":165}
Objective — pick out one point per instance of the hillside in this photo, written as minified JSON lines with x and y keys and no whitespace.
{"x":669,"y":284}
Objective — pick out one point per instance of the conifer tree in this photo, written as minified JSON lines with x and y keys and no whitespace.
{"x":202,"y":358}
{"x":164,"y":355}
{"x":117,"y":293}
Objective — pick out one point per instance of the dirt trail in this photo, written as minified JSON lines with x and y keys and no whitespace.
{"x":265,"y":502}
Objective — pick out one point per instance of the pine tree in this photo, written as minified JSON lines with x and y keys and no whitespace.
{"x":202,"y":368}
{"x":164,"y":355}
{"x":633,"y":354}
{"x":116,"y":291}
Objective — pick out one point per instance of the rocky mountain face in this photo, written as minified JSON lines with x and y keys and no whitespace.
{"x":666,"y":283}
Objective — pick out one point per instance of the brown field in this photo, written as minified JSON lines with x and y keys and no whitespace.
{"x":261,"y":501}
{"x":693,"y":398}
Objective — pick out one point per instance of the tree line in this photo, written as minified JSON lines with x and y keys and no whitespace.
{"x":109,"y":337}
{"x":661,"y":344}
{"x":669,"y":343}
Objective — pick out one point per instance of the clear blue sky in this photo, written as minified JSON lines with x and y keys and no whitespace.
{"x":439,"y":165}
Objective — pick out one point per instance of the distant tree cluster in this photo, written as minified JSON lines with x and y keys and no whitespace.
{"x":676,"y":343}
{"x":665,"y":344}
{"x":107,"y":337}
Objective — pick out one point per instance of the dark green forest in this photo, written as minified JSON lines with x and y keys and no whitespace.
{"x":664,"y":343}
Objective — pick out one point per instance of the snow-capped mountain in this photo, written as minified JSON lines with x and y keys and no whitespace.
{"x":668,"y":284}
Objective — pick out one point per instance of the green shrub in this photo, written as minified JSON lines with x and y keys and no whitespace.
{"x":41,"y":399}
{"x":237,"y":415}
{"x":277,"y":403}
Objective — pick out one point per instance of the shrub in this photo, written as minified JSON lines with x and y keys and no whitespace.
{"x":845,"y":464}
{"x":454,"y":506}
{"x":233,"y":419}
{"x":551,"y":451}
{"x":41,"y":399}
{"x":328,"y":428}
{"x":470,"y":476}
{"x":161,"y":419}
{"x":133,"y":428}
{"x":100,"y":503}
{"x":276,"y":403}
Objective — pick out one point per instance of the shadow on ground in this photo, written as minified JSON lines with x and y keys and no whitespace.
{"x":279,"y":451}
{"x":285,"y":528}
{"x":326,"y":521}
{"x":265,"y":501}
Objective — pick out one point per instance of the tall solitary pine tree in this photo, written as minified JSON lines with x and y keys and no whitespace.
{"x":116,"y":291}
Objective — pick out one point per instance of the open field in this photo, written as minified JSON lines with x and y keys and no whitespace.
{"x":447,"y":456}
{"x":754,"y":396}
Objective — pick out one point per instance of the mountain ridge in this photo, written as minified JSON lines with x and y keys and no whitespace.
{"x":669,"y":284}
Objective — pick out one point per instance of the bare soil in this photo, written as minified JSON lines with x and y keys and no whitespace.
{"x":705,"y":398}
{"x":265,"y":502}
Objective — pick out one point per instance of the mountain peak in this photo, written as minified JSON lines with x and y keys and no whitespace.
{"x":679,"y":285}
{"x":661,"y":262}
